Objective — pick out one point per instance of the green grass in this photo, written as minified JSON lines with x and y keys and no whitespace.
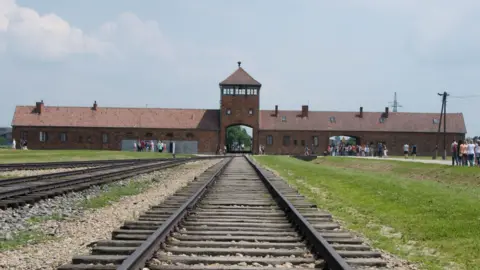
{"x":40,"y":219}
{"x":115,"y":193}
{"x":426,"y":213}
{"x":23,"y":238}
{"x":18,"y":156}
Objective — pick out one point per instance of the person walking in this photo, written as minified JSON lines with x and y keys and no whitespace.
{"x":14,"y":144}
{"x":414,"y":151}
{"x":406,"y":147}
{"x":471,"y":153}
{"x":454,"y":149}
{"x":477,"y":152}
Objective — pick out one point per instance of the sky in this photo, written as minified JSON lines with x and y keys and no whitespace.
{"x":330,"y":55}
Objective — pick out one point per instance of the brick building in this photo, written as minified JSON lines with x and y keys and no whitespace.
{"x":280,"y":131}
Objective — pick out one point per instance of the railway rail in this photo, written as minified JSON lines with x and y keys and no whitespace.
{"x":68,"y":164}
{"x":233,"y":216}
{"x":20,"y":192}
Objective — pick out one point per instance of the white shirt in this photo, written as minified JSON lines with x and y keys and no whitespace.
{"x":405,"y":148}
{"x":470,"y":149}
{"x":477,"y":149}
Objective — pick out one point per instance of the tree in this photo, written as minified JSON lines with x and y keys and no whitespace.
{"x":238,"y":135}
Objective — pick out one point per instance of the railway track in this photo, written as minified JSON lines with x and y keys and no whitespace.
{"x":68,"y":164}
{"x":41,"y":177}
{"x":20,"y":192}
{"x":233,"y":216}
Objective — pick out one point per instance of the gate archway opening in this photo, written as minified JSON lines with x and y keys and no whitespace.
{"x":239,"y":139}
{"x":344,"y":145}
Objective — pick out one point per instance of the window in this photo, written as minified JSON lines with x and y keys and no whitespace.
{"x":286,"y":140}
{"x":63,"y":137}
{"x":254,"y":92}
{"x":105,"y":138}
{"x":225,"y":91}
{"x":43,"y":136}
{"x":250,"y":111}
{"x":315,"y":140}
{"x":189,"y":135}
{"x":269,"y":139}
{"x":89,"y":139}
{"x":382,"y":119}
{"x":302,"y":142}
{"x":80,"y":139}
{"x":249,"y":91}
{"x":436,"y":120}
{"x":148,"y":134}
{"x":294,"y":142}
{"x":332,"y":119}
{"x":284,"y":119}
{"x":170,"y":134}
{"x":229,"y":111}
{"x":24,"y":135}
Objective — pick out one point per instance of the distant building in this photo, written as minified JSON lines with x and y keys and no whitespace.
{"x":204,"y":130}
{"x":6,"y":135}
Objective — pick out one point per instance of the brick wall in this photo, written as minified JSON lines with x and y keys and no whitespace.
{"x":425,"y":141}
{"x":92,"y":138}
{"x":78,"y":138}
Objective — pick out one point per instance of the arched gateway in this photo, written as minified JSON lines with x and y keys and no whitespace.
{"x":239,"y":104}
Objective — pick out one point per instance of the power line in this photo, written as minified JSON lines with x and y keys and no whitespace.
{"x":465,"y":97}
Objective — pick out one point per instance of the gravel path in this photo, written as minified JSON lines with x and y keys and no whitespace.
{"x":20,"y":173}
{"x":94,"y":225}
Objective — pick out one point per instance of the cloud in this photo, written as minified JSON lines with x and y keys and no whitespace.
{"x":49,"y":37}
{"x":439,"y":31}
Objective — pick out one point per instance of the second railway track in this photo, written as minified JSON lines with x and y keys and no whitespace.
{"x":19,"y":192}
{"x":234,"y":216}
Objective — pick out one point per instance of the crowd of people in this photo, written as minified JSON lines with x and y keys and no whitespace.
{"x":361,"y":150}
{"x":465,"y":153}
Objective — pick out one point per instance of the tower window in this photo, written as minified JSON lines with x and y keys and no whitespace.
{"x":229,"y":111}
{"x":250,"y":111}
{"x":249,"y":91}
{"x":284,"y":119}
{"x":436,"y":120}
{"x":254,"y":92}
{"x":382,"y":119}
{"x":332,"y":119}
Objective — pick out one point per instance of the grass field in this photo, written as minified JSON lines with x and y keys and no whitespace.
{"x":427,"y":213}
{"x":18,"y":156}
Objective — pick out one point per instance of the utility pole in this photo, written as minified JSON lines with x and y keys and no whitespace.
{"x":443,"y":113}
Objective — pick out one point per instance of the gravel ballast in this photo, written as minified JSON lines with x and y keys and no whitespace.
{"x":84,"y":225}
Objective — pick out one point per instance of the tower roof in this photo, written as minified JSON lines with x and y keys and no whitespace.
{"x":240,"y":77}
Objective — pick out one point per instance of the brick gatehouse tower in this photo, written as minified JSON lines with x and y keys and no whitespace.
{"x":240,"y":104}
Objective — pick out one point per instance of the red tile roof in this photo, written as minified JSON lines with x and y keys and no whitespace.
{"x":240,"y":77}
{"x":117,"y":117}
{"x":348,"y":121}
{"x":209,"y":119}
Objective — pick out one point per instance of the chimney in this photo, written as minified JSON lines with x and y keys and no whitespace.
{"x":386,"y":112}
{"x":276,"y":110}
{"x":40,"y":107}
{"x":94,"y":105}
{"x":361,"y":112}
{"x":304,"y":110}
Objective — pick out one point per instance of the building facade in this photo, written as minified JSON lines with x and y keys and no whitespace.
{"x":279,"y":131}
